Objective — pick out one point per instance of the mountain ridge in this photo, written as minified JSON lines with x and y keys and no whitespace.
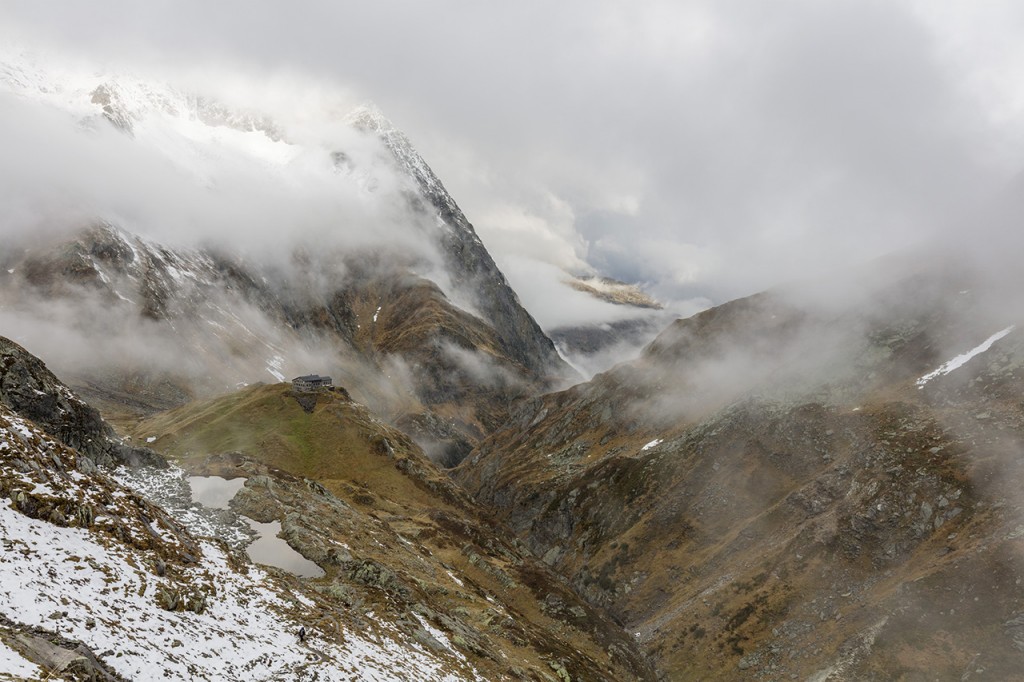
{"x":425,"y":325}
{"x":770,"y":491}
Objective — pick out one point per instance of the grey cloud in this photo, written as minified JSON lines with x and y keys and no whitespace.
{"x":704,"y":147}
{"x":60,"y":172}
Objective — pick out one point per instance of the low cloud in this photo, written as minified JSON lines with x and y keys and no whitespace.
{"x":555,"y":303}
{"x":89,"y":340}
{"x":179,"y":181}
{"x":707,"y":150}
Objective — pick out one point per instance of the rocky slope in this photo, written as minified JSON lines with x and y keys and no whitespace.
{"x":473,"y":269}
{"x":392,"y":532}
{"x":794,"y":485}
{"x":99,"y":583}
{"x":116,"y":574}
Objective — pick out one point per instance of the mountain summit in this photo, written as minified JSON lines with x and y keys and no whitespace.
{"x":465,"y":255}
{"x":357,"y":262}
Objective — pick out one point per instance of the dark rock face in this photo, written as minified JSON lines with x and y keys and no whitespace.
{"x":70,"y":659}
{"x":474,"y":270}
{"x":442,"y":440}
{"x":32,"y":391}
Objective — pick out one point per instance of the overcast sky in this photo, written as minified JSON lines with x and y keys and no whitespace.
{"x":702,"y":148}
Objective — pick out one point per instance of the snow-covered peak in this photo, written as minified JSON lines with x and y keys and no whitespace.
{"x":184,"y":126}
{"x":369,"y":118}
{"x":82,"y":90}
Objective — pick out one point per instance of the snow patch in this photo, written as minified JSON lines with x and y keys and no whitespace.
{"x":438,"y":635}
{"x":14,"y":666}
{"x":653,"y":443}
{"x":963,"y":358}
{"x":274,"y":366}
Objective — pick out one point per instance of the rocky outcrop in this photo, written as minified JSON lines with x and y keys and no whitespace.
{"x":109,"y":100}
{"x":29,"y":389}
{"x":60,"y":657}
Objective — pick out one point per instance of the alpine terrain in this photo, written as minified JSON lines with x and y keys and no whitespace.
{"x":792,"y":486}
{"x":397,"y":294}
{"x":818,"y":482}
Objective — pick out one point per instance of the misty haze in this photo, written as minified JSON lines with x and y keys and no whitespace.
{"x":449,"y":341}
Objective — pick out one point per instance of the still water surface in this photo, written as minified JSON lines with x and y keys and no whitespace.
{"x":268,"y":548}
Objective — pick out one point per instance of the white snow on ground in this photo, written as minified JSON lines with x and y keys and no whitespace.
{"x":963,"y":358}
{"x":656,"y":441}
{"x":150,"y":439}
{"x":170,"y":489}
{"x":441,"y":638}
{"x":376,"y":313}
{"x":274,"y":365}
{"x":247,"y":631}
{"x":14,"y":666}
{"x":46,"y":569}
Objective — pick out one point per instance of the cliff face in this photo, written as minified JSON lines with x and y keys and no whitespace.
{"x":29,"y":389}
{"x":472,"y":267}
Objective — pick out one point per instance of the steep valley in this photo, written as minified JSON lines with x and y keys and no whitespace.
{"x":776,"y":489}
{"x":819,"y":482}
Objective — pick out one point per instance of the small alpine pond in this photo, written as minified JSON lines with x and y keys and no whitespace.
{"x":268,"y":548}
